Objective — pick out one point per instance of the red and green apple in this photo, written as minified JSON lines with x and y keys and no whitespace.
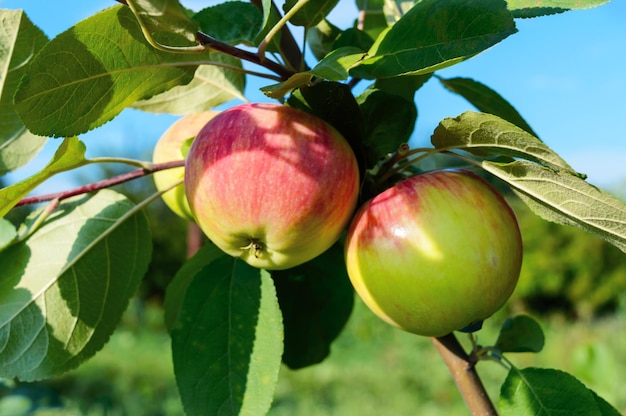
{"x":271,"y":184}
{"x":435,"y":253}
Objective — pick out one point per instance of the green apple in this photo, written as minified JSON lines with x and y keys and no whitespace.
{"x":435,"y":253}
{"x":168,"y":149}
{"x":271,"y":184}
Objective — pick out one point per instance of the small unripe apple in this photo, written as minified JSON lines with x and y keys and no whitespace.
{"x":435,"y":253}
{"x":168,"y":149}
{"x":271,"y":184}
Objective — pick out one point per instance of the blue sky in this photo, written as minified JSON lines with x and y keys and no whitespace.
{"x":566,"y":74}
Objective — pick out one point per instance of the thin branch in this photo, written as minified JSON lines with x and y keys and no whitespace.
{"x":106,"y":183}
{"x":464,"y":374}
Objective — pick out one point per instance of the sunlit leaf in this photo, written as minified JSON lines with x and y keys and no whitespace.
{"x":486,"y":100}
{"x":540,"y":391}
{"x":165,"y":16}
{"x":311,"y":13}
{"x":83,"y":78}
{"x":227,"y":341}
{"x":435,"y":34}
{"x":565,"y":199}
{"x":486,"y":134}
{"x":64,"y":289}
{"x":7,"y":233}
{"x":20,"y":40}
{"x":534,"y":8}
{"x":232,"y":22}
{"x":211,"y":86}
{"x":69,"y":155}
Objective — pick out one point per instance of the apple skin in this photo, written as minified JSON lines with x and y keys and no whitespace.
{"x":167,"y":149}
{"x":271,"y":184}
{"x":435,"y":253}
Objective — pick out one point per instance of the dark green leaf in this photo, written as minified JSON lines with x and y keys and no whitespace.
{"x":321,"y":38}
{"x":64,"y":289}
{"x":316,"y":300}
{"x":69,"y":155}
{"x":354,"y":38}
{"x":83,"y":78}
{"x":486,"y":134}
{"x":545,"y":392}
{"x":405,"y":86}
{"x":232,"y":22}
{"x":177,"y":288}
{"x":604,"y":407}
{"x":227,"y":341}
{"x":565,"y":199}
{"x":7,"y":233}
{"x":486,"y":100}
{"x":334,"y":103}
{"x":20,"y":40}
{"x":311,"y":13}
{"x":520,"y":334}
{"x":535,"y":8}
{"x":389,"y":122}
{"x":164,"y":16}
{"x":435,"y":34}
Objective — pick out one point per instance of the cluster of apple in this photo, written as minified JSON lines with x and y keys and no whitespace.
{"x":276,"y":187}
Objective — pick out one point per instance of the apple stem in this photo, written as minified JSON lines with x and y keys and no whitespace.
{"x":463,"y":371}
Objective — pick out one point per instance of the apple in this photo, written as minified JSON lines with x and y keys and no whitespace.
{"x":271,"y":184}
{"x":435,"y":253}
{"x":168,"y":149}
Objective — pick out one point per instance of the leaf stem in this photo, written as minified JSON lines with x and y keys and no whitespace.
{"x":106,"y":183}
{"x":278,"y":27}
{"x":462,"y":369}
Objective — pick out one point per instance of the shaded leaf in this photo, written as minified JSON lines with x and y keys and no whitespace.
{"x":486,"y":100}
{"x":175,"y":293}
{"x":545,"y":392}
{"x":316,"y":300}
{"x":83,"y":78}
{"x":232,"y":22}
{"x":321,"y":38}
{"x":404,"y":86}
{"x":227,"y":341}
{"x":211,"y":86}
{"x":486,"y":134}
{"x":333,"y":67}
{"x":520,"y":334}
{"x":164,"y":16}
{"x":311,"y":13}
{"x":435,"y":34}
{"x":69,"y":155}
{"x":20,"y":40}
{"x":565,"y":199}
{"x":7,"y":233}
{"x":389,"y":122}
{"x":535,"y":8}
{"x":64,"y":289}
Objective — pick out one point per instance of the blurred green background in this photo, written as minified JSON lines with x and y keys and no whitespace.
{"x":573,"y":283}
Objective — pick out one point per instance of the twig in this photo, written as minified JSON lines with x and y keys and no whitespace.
{"x":106,"y":183}
{"x":464,"y":374}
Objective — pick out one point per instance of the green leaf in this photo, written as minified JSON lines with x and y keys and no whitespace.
{"x":232,"y":22}
{"x":227,"y":341}
{"x":333,"y":67}
{"x":565,"y":199}
{"x":211,"y":86}
{"x":435,"y":34}
{"x":175,"y":294}
{"x":321,"y":38}
{"x":405,"y":86}
{"x":316,"y":300}
{"x":486,"y":100}
{"x":69,"y":155}
{"x":311,"y":13}
{"x":84,"y":78}
{"x":544,"y":392}
{"x":389,"y":122}
{"x":486,"y":134}
{"x":7,"y":233}
{"x":20,"y":40}
{"x":520,"y":334}
{"x":64,"y":289}
{"x":535,"y":8}
{"x":164,"y":16}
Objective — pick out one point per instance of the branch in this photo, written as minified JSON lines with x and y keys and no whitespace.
{"x":106,"y":183}
{"x":464,"y":374}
